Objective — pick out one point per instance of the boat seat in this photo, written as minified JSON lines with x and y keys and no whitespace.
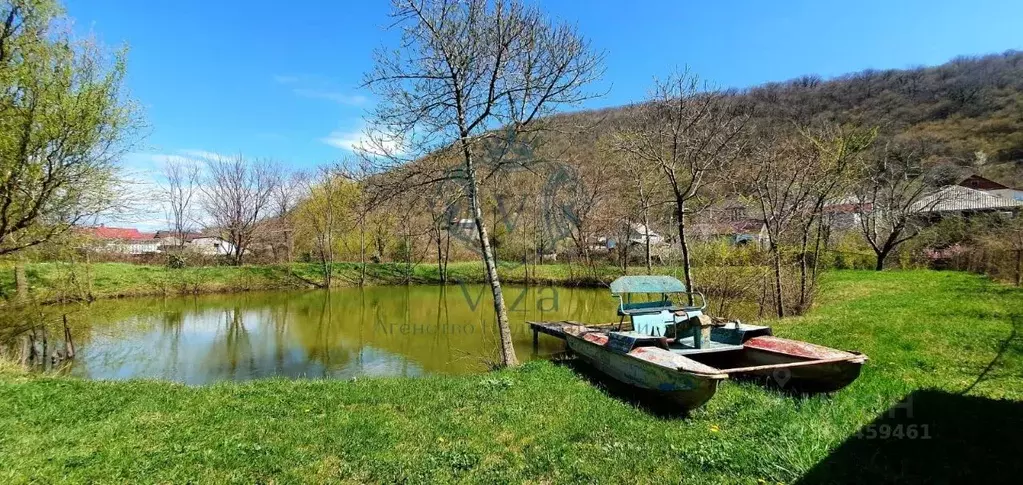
{"x":634,"y":308}
{"x":667,"y":323}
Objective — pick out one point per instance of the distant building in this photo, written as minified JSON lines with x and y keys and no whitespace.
{"x":732,"y":209}
{"x":638,"y":234}
{"x":211,"y":246}
{"x":732,"y":220}
{"x":739,"y":233}
{"x":963,"y":200}
{"x":844,"y":213}
{"x":169,"y":240}
{"x":121,"y":240}
{"x":976,"y":182}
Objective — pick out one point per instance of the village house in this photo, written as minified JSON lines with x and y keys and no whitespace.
{"x":199,"y":243}
{"x":963,"y":200}
{"x":211,"y":246}
{"x":121,"y":240}
{"x":976,"y":182}
{"x":730,"y":220}
{"x":131,"y":241}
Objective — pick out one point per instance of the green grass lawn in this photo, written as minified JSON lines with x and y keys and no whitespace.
{"x":945,"y":380}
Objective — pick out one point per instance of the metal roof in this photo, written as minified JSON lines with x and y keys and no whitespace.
{"x":955,"y":198}
{"x":647,"y":284}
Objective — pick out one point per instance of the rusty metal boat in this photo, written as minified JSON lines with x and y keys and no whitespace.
{"x":673,"y":349}
{"x":645,"y":362}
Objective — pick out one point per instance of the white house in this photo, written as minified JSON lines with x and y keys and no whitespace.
{"x":638,"y":233}
{"x":210,"y":246}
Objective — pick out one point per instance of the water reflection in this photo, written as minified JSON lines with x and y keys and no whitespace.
{"x":384,"y":331}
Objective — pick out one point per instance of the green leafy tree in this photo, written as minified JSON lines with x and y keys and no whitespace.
{"x":64,"y":123}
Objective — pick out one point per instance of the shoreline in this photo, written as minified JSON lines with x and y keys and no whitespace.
{"x":56,"y":283}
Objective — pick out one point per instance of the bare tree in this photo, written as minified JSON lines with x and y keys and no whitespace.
{"x":286,"y":196}
{"x":465,"y":69}
{"x":831,"y":159}
{"x":893,"y":194}
{"x":589,"y":197}
{"x":794,"y":174}
{"x":641,"y":197}
{"x":777,"y":179}
{"x":689,"y":133}
{"x":179,"y":190}
{"x":237,"y":195}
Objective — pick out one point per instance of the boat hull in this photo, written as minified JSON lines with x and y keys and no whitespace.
{"x":687,"y":390}
{"x":814,"y":378}
{"x":787,"y":364}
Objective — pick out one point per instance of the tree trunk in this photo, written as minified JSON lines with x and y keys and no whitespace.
{"x":362,"y":252}
{"x":440,"y":254}
{"x":1019,"y":266}
{"x":507,"y":348}
{"x":326,"y":269}
{"x":881,"y":255}
{"x":447,"y":255}
{"x":69,"y":345}
{"x":684,"y":243}
{"x":20,"y":282}
{"x":778,"y":294}
{"x":646,"y":223}
{"x":238,"y":252}
{"x":803,"y":269}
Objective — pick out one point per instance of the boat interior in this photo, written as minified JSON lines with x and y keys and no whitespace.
{"x":661,"y":307}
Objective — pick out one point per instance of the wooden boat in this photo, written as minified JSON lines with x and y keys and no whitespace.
{"x":676,"y":351}
{"x":645,"y":362}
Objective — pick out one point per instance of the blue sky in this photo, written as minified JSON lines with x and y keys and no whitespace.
{"x":279,"y":79}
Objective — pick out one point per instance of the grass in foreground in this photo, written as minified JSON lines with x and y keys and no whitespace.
{"x":949,"y":342}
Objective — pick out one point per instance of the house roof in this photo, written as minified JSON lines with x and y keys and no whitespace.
{"x":119,"y":233}
{"x":955,"y":198}
{"x":188,"y":236}
{"x":980,"y":183}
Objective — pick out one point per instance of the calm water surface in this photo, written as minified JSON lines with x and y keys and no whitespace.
{"x":381,"y":331}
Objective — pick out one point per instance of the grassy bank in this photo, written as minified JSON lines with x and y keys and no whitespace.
{"x":50,"y":282}
{"x":941,"y":400}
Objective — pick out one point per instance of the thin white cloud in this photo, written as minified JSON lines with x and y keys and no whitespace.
{"x":203,"y":155}
{"x":365,"y":141}
{"x":337,"y":97}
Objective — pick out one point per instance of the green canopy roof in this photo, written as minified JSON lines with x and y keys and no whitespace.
{"x":647,"y":284}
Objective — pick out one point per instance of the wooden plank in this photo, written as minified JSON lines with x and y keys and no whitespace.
{"x":555,"y":329}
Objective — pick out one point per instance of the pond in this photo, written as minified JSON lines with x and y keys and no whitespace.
{"x":344,"y":333}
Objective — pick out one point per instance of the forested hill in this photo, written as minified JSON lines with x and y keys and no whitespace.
{"x":967,"y":112}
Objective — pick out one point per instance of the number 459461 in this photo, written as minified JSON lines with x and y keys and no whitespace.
{"x":895,"y":431}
